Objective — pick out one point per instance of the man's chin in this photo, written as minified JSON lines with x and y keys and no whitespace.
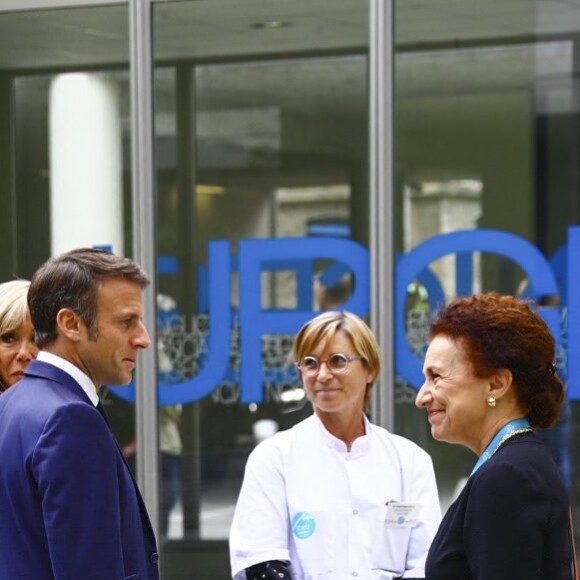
{"x":120,"y":382}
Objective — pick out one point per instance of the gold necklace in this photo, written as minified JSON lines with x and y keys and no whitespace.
{"x":510,"y":435}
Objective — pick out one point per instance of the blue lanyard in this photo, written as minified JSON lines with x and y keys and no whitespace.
{"x":492,"y":447}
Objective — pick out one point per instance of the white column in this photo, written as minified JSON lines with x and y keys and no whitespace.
{"x":86,"y":189}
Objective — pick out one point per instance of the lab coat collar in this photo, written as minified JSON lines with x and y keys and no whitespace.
{"x":360,"y":445}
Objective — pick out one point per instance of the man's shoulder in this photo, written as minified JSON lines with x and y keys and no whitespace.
{"x":33,"y":407}
{"x":40,"y":369}
{"x":38,"y":397}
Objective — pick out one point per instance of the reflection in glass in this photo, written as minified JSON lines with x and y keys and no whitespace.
{"x":273,"y":158}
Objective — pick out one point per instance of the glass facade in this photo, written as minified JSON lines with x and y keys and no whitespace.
{"x":258,"y":141}
{"x":486,"y":174}
{"x":264,"y":204}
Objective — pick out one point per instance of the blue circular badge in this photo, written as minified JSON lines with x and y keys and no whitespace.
{"x":303,"y":525}
{"x":401,"y":520}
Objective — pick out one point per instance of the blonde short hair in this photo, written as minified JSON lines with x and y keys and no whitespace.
{"x":321,"y":330}
{"x":13,"y":305}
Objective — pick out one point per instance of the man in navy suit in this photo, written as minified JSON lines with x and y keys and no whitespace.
{"x":69,"y":507}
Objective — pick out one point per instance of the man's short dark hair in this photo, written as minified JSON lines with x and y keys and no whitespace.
{"x":72,"y":281}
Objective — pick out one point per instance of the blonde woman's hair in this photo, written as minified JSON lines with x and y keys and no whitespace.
{"x":13,"y":305}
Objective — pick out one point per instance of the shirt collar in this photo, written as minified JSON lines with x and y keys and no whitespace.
{"x":81,"y":378}
{"x":360,"y":444}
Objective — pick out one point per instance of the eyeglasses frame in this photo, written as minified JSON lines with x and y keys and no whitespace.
{"x":349,"y":358}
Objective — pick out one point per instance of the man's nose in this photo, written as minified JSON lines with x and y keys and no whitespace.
{"x":142,"y":339}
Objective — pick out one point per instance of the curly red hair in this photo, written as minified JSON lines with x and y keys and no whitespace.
{"x":503,"y":332}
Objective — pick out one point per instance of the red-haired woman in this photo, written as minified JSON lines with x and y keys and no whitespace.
{"x":489,"y":381}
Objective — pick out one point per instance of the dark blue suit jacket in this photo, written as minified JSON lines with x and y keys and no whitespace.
{"x":69,"y":506}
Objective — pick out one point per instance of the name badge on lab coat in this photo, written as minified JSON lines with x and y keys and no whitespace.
{"x":402,"y":515}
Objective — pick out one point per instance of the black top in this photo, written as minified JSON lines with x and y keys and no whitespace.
{"x":271,"y":570}
{"x":510,"y":522}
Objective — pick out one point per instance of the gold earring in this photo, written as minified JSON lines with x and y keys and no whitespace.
{"x":491,"y":401}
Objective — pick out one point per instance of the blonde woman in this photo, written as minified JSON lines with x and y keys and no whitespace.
{"x":335,"y":496}
{"x":17,"y":346}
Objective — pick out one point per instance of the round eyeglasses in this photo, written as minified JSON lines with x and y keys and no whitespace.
{"x":336,"y":363}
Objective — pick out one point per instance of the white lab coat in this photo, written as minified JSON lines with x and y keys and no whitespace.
{"x":307,"y":500}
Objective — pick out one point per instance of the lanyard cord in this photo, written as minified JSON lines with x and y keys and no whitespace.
{"x":512,"y":428}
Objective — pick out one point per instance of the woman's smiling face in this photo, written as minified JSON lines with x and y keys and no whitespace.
{"x":455,"y":399}
{"x":338,"y":392}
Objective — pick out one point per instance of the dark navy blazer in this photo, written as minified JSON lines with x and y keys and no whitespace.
{"x":69,"y":506}
{"x":510,"y":522}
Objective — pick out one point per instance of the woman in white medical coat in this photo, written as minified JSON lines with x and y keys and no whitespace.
{"x":335,"y":496}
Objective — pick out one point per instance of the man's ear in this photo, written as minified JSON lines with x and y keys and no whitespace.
{"x":500,"y":383}
{"x":69,"y":324}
